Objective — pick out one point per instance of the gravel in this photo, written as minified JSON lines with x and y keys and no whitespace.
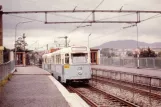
{"x":98,"y":98}
{"x":137,"y":98}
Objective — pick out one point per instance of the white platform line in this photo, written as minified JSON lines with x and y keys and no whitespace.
{"x":72,"y":98}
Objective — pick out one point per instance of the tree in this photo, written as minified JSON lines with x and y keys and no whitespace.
{"x":108,"y":52}
{"x":6,"y":53}
{"x":146,"y":53}
{"x":129,"y":53}
{"x":20,"y":43}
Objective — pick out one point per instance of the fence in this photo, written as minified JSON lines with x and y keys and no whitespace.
{"x":6,"y":69}
{"x":132,"y":78}
{"x":132,"y":62}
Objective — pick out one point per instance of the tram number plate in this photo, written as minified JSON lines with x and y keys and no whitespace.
{"x":66,"y":66}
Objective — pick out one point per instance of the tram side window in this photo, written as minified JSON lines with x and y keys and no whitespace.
{"x":53,"y":59}
{"x":45,"y":60}
{"x":58,"y":59}
{"x":62,"y":61}
{"x":67,"y":58}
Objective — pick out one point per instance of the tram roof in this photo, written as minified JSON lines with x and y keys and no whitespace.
{"x":67,"y":50}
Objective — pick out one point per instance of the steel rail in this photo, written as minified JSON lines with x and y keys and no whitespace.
{"x":111,"y":97}
{"x":92,"y":104}
{"x":143,"y":92}
{"x":129,"y":104}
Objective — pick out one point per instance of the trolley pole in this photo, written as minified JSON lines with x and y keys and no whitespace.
{"x":47,"y":46}
{"x":88,"y":39}
{"x":66,"y":42}
{"x":138,"y":62}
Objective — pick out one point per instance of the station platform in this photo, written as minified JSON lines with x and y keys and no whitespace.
{"x":35,"y":87}
{"x":146,"y":72}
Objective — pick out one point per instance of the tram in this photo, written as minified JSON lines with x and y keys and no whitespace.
{"x":69,"y":64}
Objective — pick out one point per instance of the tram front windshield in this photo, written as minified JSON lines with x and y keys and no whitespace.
{"x":79,"y":58}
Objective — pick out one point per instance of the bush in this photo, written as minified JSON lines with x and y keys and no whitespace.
{"x":146,"y":53}
{"x":6,"y":53}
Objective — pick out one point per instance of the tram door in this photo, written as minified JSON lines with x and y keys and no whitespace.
{"x":93,"y":57}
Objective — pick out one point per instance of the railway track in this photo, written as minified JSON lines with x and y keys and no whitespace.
{"x":98,"y":98}
{"x":131,"y":87}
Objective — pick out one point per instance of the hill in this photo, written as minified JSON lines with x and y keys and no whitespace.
{"x":128,"y":44}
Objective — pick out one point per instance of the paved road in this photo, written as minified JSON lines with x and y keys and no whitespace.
{"x":31,"y":91}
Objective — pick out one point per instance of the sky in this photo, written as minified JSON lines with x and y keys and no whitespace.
{"x":39,"y":34}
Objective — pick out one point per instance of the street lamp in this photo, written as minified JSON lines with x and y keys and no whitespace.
{"x":137,"y":48}
{"x":137,"y":35}
{"x":15,"y":39}
{"x":88,"y":39}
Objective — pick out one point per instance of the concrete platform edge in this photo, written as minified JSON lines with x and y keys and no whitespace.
{"x":72,"y":98}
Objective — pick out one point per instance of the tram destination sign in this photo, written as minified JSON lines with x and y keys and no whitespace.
{"x":79,"y":49}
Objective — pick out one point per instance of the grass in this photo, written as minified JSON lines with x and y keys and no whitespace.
{"x":3,"y":82}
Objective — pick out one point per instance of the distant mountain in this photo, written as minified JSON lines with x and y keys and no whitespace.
{"x":128,"y":44}
{"x":156,"y":44}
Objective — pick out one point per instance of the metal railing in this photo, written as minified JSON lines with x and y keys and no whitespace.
{"x":132,"y":62}
{"x":6,"y":69}
{"x":132,"y":78}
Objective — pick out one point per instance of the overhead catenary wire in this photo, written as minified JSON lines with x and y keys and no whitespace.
{"x":68,"y":16}
{"x":152,"y":17}
{"x":26,"y":18}
{"x":31,"y":45}
{"x":85,"y":18}
{"x":115,"y":16}
{"x":116,"y":31}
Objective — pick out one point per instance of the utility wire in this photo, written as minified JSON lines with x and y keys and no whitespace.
{"x":116,"y":31}
{"x":26,"y":18}
{"x":99,"y":37}
{"x":152,"y":17}
{"x":68,"y":16}
{"x":31,"y":45}
{"x":115,"y":16}
{"x":85,"y":18}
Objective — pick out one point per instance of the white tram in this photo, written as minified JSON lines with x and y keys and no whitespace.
{"x":69,"y":64}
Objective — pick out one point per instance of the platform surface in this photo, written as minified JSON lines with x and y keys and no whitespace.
{"x":31,"y":70}
{"x":32,"y":88}
{"x":147,"y":72}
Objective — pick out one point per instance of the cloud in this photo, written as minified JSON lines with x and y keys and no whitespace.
{"x":45,"y":33}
